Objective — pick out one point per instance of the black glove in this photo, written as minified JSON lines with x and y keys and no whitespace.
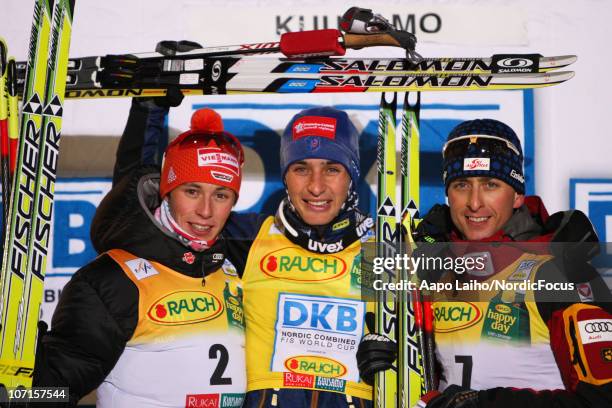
{"x":375,"y":353}
{"x":174,"y":96}
{"x":170,"y":48}
{"x":574,"y":243}
{"x":453,"y":397}
{"x":172,"y":99}
{"x":436,"y":226}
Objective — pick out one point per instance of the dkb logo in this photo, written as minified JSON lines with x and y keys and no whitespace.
{"x":324,"y":314}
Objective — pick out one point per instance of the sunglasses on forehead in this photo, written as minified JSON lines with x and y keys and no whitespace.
{"x":484,"y":144}
{"x":203,"y":139}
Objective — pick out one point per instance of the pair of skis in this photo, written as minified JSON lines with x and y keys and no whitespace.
{"x":415,"y":319}
{"x":31,"y":202}
{"x":234,"y":69}
{"x":142,"y":76}
{"x":401,"y":315}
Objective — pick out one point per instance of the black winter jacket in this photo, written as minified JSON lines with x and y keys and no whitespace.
{"x":98,"y":310}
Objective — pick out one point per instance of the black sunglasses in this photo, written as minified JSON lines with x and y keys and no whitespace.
{"x":220,"y":138}
{"x":484,"y":144}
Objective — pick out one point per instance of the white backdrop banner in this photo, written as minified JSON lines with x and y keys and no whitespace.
{"x":474,"y":24}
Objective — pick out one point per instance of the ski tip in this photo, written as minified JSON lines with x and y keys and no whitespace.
{"x":560,"y":76}
{"x":11,"y":77}
{"x":3,"y":52}
{"x":559,"y":61}
{"x":571,"y":58}
{"x":70,"y":5}
{"x":554,"y":78}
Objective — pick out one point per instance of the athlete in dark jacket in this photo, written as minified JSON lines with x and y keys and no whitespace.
{"x":511,"y":348}
{"x":142,"y":322}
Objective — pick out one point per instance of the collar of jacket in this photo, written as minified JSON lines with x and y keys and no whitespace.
{"x":339,"y":234}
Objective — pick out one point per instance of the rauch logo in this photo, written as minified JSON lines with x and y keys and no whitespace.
{"x":453,"y":316}
{"x":501,"y":308}
{"x":185,"y":307}
{"x":315,"y":365}
{"x":287,"y":264}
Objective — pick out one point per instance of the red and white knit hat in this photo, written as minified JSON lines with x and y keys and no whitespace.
{"x":205,"y":153}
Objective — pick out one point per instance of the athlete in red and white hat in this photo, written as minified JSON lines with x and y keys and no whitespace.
{"x":200,"y":180}
{"x":156,"y":319}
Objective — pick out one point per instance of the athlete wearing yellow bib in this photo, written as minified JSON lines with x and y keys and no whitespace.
{"x":305,"y":318}
{"x":303,"y":310}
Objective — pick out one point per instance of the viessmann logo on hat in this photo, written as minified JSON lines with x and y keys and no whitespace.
{"x":214,"y":157}
{"x":314,"y":126}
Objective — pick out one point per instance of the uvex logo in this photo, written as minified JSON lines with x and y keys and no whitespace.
{"x":185,"y":307}
{"x":317,"y":365}
{"x":364,"y":226}
{"x":329,"y":248}
{"x":476,"y":163}
{"x":291,"y":263}
{"x":453,"y":316}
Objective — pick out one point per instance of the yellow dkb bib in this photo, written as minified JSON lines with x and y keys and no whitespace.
{"x":304,"y":316}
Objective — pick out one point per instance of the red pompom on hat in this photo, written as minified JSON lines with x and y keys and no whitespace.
{"x":206,"y":120}
{"x":205,"y":154}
